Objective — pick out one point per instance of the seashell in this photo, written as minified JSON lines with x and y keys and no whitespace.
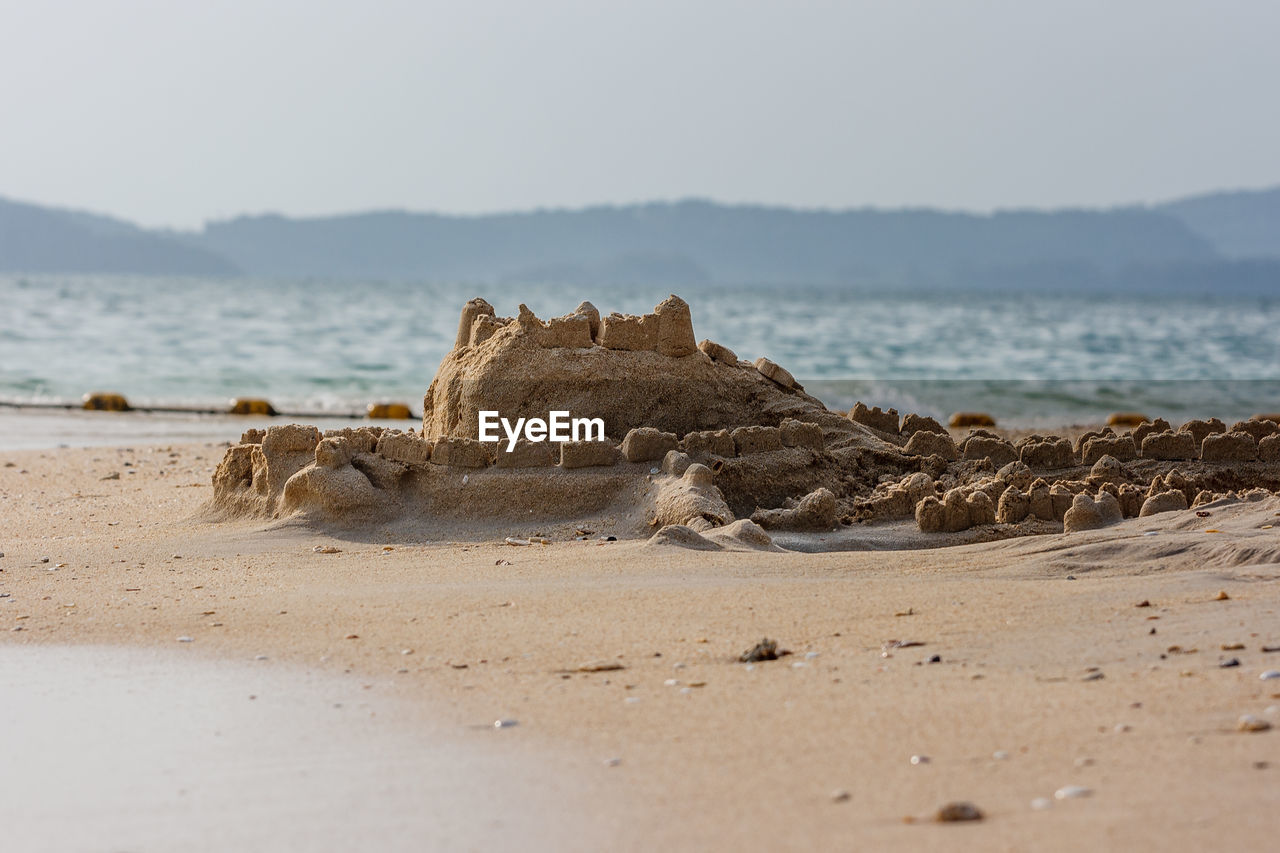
{"x":1250,"y":723}
{"x":1072,"y":792}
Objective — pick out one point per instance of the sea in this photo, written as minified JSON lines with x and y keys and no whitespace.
{"x":1026,"y":358}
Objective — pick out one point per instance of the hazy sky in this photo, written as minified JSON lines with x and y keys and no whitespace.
{"x":175,"y":111}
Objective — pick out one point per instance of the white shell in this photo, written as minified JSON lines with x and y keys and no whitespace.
{"x":1072,"y":792}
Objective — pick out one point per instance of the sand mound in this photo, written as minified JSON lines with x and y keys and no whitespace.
{"x":742,"y":535}
{"x":1234,"y":537}
{"x":730,"y":437}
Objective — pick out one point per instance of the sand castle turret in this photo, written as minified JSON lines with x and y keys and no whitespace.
{"x":630,"y":370}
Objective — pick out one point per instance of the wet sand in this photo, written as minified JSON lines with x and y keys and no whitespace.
{"x":156,"y":749}
{"x":682,"y":746}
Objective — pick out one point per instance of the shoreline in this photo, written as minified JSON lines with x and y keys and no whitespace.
{"x":727,"y":755}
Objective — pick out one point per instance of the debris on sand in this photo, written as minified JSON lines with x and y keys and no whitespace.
{"x":596,"y":666}
{"x":766,"y":649}
{"x":957,"y":812}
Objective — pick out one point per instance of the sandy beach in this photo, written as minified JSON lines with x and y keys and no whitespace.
{"x":1092,"y":659}
{"x":561,"y":427}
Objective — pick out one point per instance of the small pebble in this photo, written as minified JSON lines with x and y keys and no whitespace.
{"x":1228,"y":663}
{"x":612,"y":762}
{"x":670,"y":682}
{"x":840,"y":795}
{"x":1072,"y":792}
{"x":505,"y":723}
{"x":1041,"y":803}
{"x":810,"y":655}
{"x":185,"y":639}
{"x":1270,"y":674}
{"x":1222,"y":596}
{"x":1000,"y":755}
{"x":956,"y":812}
{"x":1121,"y":728}
{"x":1084,"y":762}
{"x":934,"y":659}
{"x":44,"y":559}
{"x":919,"y":759}
{"x":259,"y":657}
{"x":1250,"y":723}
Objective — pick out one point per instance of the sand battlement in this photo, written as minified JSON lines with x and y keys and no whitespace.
{"x":631,"y":371}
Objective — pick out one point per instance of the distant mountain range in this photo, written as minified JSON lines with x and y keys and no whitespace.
{"x":1228,"y":239}
{"x":43,"y":239}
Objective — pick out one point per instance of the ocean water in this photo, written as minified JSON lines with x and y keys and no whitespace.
{"x":336,"y":346}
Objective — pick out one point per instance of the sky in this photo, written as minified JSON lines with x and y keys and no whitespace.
{"x":170,"y":113}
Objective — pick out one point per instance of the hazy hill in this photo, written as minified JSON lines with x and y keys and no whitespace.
{"x":1241,"y":224}
{"x":41,"y":239}
{"x":697,"y":240}
{"x":1226,"y":240}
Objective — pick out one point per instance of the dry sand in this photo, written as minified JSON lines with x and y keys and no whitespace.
{"x":714,"y":754}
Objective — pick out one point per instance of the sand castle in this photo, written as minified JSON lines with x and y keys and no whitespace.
{"x":711,"y":450}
